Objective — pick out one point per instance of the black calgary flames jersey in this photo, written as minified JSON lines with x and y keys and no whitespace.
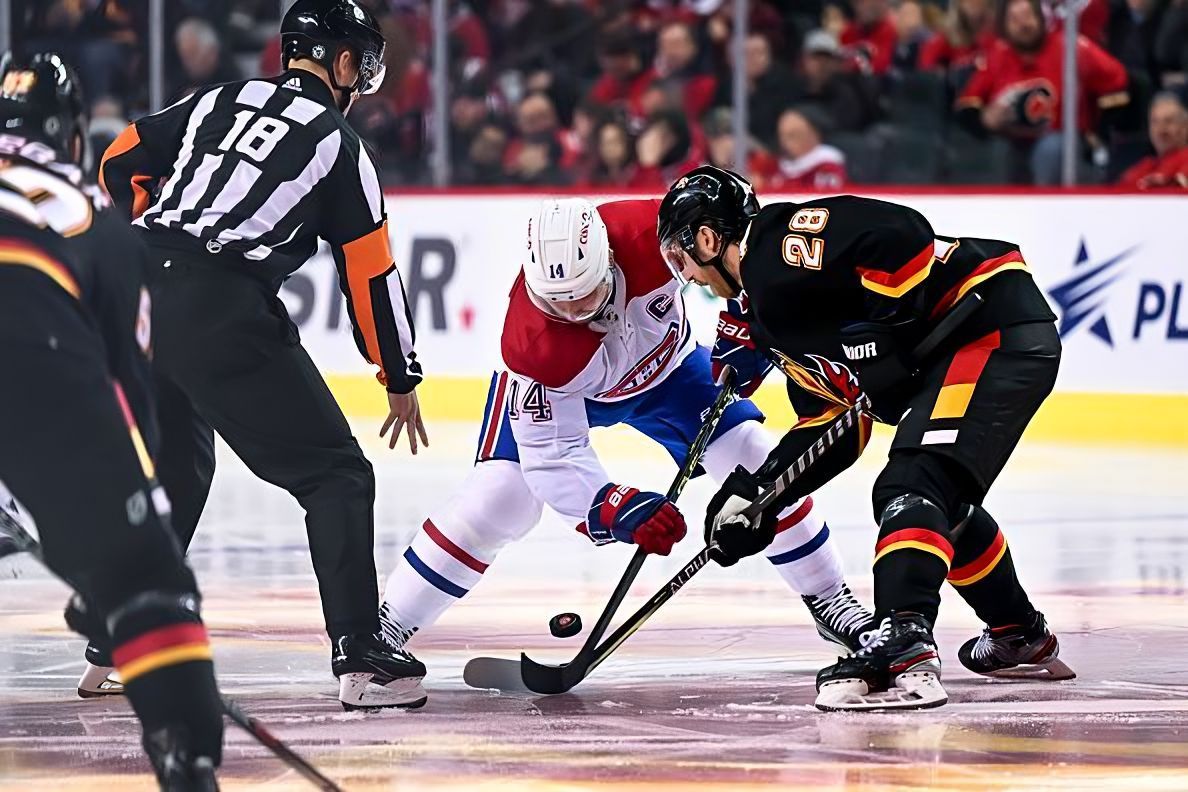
{"x":810,"y":269}
{"x":61,"y":248}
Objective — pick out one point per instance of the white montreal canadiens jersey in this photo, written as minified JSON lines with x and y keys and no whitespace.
{"x":555,"y":367}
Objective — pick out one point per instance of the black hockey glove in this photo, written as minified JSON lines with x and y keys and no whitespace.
{"x":725,"y":526}
{"x":879,"y":359}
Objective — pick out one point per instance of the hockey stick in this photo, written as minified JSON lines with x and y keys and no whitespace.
{"x":492,"y":672}
{"x":847,"y":420}
{"x":23,"y":542}
{"x":835,"y":431}
{"x":278,"y":748}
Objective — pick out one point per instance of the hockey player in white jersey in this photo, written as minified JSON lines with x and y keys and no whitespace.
{"x":596,"y":335}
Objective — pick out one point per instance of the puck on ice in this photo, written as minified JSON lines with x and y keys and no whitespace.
{"x":565,"y":625}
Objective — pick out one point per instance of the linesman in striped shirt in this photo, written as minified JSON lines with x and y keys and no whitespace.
{"x":232,"y":187}
{"x":76,"y":418}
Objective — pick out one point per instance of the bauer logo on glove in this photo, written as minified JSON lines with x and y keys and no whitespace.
{"x":621,"y":513}
{"x":736,"y":348}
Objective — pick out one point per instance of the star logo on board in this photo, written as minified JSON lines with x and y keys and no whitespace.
{"x":1081,"y":298}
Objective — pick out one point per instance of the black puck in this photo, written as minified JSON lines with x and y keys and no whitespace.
{"x":565,"y":625}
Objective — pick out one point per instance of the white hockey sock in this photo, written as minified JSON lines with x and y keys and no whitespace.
{"x":434,"y":573}
{"x":803,"y":553}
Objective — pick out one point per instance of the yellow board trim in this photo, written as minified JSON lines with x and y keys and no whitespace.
{"x":953,"y":400}
{"x":901,"y":289}
{"x":1144,"y":419}
{"x":166,"y":657}
{"x":911,"y":545}
{"x":969,"y":581}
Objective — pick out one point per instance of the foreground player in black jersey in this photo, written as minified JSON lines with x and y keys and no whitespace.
{"x":77,"y":423}
{"x":251,"y":174}
{"x":841,"y":289}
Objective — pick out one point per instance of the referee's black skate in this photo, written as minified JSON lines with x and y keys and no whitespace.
{"x":177,"y":769}
{"x":1016,"y":651}
{"x":841,"y":619}
{"x":372,"y":674}
{"x":898,"y":669}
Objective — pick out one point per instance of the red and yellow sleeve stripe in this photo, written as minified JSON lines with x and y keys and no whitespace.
{"x":18,"y":253}
{"x":984,"y":271}
{"x":160,"y":648}
{"x":915,"y":539}
{"x":901,"y":281}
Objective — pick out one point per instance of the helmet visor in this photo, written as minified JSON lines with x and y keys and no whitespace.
{"x":371,"y":72}
{"x":577,"y":310}
{"x":676,"y":258}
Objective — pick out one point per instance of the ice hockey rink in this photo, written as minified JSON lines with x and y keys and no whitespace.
{"x":715,"y":692}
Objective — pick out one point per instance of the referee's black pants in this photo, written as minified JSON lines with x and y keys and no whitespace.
{"x":229,"y":360}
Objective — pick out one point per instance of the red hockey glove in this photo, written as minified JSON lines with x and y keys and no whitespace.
{"x":625,"y":514}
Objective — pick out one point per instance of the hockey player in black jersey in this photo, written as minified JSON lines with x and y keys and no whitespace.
{"x":78,"y":427}
{"x":841,"y":289}
{"x":231,"y":188}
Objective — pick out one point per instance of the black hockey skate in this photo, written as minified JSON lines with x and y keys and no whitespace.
{"x":898,"y":669}
{"x":373,"y":674}
{"x":1016,"y":651}
{"x":177,"y":769}
{"x":100,"y":678}
{"x":842,"y":620}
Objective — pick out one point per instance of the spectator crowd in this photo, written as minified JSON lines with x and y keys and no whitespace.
{"x":617,"y":94}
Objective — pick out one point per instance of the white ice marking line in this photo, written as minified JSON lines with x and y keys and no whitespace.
{"x":1043,"y":709}
{"x":1178,"y":690}
{"x":32,"y":672}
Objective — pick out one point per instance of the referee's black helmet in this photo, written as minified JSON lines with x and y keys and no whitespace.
{"x":319,"y":29}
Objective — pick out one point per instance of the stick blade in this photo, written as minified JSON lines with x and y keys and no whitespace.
{"x":548,"y":679}
{"x":487,"y":673}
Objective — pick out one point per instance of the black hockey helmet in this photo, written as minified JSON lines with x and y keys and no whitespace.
{"x":705,"y":196}
{"x":319,"y":29}
{"x":41,"y":97}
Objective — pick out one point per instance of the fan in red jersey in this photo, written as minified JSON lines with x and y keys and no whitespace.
{"x":872,"y":35}
{"x":1018,"y":90}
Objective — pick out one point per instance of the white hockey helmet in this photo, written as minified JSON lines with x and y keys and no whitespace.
{"x":568,"y":271}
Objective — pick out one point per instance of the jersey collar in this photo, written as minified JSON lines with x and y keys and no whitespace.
{"x":308,"y":85}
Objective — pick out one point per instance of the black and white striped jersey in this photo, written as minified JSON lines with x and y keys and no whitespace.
{"x":258,"y":171}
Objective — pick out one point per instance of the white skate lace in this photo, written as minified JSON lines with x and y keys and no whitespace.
{"x":877,"y":640}
{"x":984,"y":648}
{"x":842,"y":612}
{"x":997,"y":648}
{"x":395,"y":634}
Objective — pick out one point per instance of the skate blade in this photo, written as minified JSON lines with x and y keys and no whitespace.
{"x":357,"y":691}
{"x":913,"y":690}
{"x":99,"y":682}
{"x":1054,"y":670}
